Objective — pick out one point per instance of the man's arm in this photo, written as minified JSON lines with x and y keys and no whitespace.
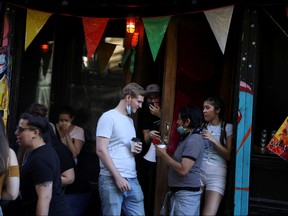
{"x":102,"y":152}
{"x":44,"y":193}
{"x":150,"y":135}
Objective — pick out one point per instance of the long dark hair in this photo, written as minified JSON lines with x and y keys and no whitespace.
{"x":218,"y":104}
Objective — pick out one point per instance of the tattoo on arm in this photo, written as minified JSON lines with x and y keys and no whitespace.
{"x":45,"y":184}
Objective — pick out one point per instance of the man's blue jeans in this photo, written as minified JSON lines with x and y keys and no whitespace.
{"x":113,"y":200}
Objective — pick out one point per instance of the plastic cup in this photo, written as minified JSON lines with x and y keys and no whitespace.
{"x":161,"y":146}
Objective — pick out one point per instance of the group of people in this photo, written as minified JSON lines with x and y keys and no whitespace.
{"x":50,"y":182}
{"x":198,"y":164}
{"x":48,"y":160}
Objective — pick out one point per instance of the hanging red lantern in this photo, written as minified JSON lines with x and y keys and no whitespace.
{"x":44,"y":47}
{"x":134,"y":40}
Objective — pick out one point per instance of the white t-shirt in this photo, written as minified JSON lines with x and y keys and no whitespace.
{"x":211,"y":155}
{"x":76,"y":133}
{"x":119,"y":129}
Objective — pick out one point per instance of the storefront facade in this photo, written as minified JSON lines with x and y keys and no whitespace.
{"x":190,"y":66}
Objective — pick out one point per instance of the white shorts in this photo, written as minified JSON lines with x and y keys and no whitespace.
{"x":213,"y":177}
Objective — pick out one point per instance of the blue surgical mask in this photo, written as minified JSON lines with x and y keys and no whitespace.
{"x":128,"y":109}
{"x":182,"y":130}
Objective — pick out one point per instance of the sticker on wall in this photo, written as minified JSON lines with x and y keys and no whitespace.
{"x":279,"y":142}
{"x":4,"y":81}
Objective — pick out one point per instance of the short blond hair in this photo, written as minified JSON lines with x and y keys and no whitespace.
{"x":133,"y":89}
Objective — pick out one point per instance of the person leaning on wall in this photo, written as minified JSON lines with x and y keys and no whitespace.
{"x":217,"y":136}
{"x":9,"y":169}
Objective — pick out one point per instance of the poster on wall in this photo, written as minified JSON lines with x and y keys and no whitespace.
{"x":279,"y":142}
{"x":4,"y":83}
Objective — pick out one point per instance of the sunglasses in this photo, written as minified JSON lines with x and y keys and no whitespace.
{"x":21,"y":129}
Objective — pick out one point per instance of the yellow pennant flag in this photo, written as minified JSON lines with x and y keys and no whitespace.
{"x":34,"y":22}
{"x":104,"y":53}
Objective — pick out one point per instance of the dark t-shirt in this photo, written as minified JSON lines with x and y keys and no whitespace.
{"x":150,"y":122}
{"x":42,"y":165}
{"x":65,"y":156}
{"x":81,"y":183}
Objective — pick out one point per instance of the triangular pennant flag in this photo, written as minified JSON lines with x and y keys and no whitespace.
{"x":155,"y":29}
{"x":132,"y":60}
{"x":93,"y":29}
{"x":35,"y":20}
{"x":104,"y":53}
{"x":219,"y":20}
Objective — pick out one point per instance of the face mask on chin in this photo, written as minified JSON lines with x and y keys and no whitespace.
{"x":128,"y":109}
{"x":181,"y":130}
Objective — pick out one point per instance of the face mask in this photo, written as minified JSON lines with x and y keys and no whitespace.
{"x":181,"y":130}
{"x":128,"y":109}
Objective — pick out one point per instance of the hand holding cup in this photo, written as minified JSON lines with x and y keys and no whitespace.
{"x":136,"y":145}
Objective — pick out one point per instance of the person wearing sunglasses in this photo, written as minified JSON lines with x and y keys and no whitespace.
{"x":40,"y":179}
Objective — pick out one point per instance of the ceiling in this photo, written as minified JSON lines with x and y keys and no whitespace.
{"x":125,"y":8}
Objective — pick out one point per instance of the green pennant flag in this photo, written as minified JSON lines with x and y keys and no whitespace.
{"x":132,"y":60}
{"x":155,"y":29}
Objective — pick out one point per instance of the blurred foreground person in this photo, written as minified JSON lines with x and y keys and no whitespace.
{"x":9,"y":169}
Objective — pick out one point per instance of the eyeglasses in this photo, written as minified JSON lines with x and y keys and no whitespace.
{"x":21,"y":129}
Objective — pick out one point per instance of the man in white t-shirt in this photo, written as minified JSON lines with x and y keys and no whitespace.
{"x":119,"y":188}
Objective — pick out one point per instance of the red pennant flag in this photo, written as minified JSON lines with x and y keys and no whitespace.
{"x":93,"y":29}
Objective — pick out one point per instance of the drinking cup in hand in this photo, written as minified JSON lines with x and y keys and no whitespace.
{"x":136,"y":145}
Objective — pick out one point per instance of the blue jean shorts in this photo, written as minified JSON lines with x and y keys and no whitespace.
{"x":113,"y":201}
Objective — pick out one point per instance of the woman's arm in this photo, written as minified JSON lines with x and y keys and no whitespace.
{"x":182,"y":168}
{"x":224,"y":151}
{"x":67,"y":177}
{"x":11,"y":185}
{"x":75,"y":145}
